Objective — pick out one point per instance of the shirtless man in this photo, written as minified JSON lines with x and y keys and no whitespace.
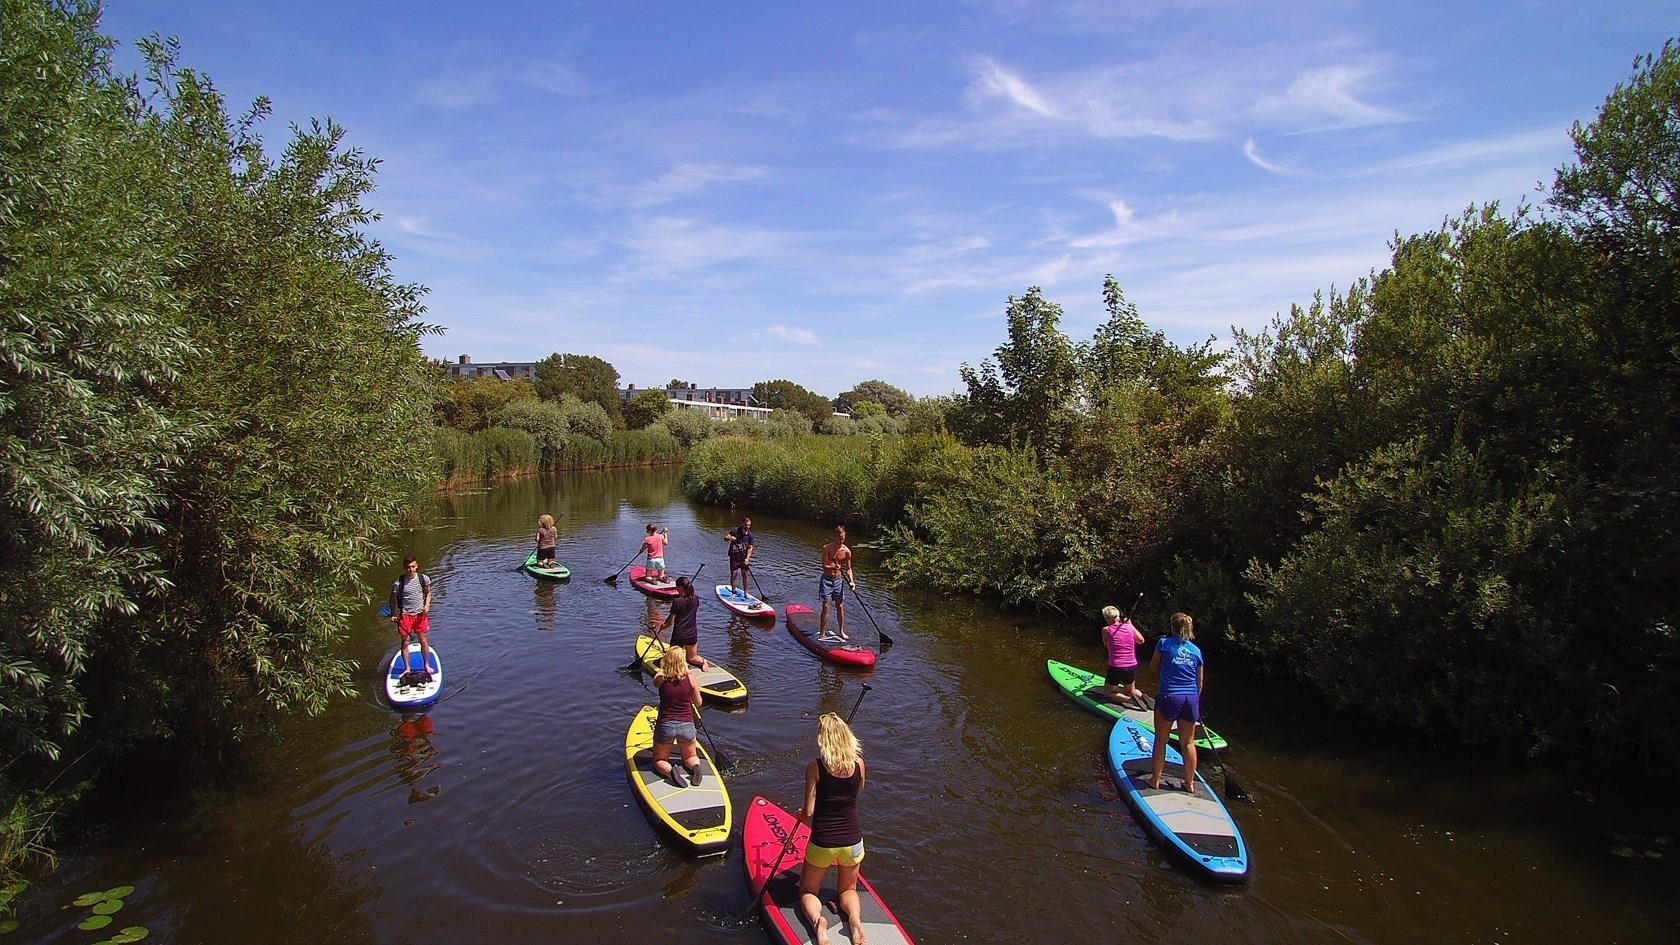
{"x":836,"y":558}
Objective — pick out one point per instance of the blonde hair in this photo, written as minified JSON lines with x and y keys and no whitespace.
{"x":546,"y":521}
{"x":1111,"y":614}
{"x":1182,"y":626}
{"x":838,"y":745}
{"x":673,"y":665}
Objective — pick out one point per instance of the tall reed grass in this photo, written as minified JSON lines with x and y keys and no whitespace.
{"x":499,"y":452}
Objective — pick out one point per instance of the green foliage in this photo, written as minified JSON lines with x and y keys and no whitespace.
{"x":677,"y":382}
{"x":584,"y":376}
{"x":688,"y":426}
{"x":882,"y":424}
{"x":786,"y":394}
{"x":890,"y":399}
{"x":586,"y":418}
{"x":645,"y":408}
{"x":487,"y":456}
{"x":837,"y":425}
{"x":866,"y":408}
{"x":927,"y":414}
{"x":546,"y":422}
{"x":785,"y":422}
{"x":1026,"y":395}
{"x":471,"y":403}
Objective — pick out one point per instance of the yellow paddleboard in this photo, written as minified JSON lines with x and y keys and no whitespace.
{"x":718,"y":685}
{"x":699,"y":818}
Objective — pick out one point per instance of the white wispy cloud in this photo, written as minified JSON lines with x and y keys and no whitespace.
{"x":796,"y":335}
{"x":687,"y":179}
{"x":1331,"y":97}
{"x":464,"y":85}
{"x":994,"y":81}
{"x":1251,"y":150}
{"x":667,"y":244}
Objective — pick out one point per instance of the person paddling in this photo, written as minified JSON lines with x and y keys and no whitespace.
{"x":654,"y":545}
{"x":684,"y":621}
{"x":548,"y":537}
{"x":1122,"y":639}
{"x":1179,"y":661}
{"x":411,"y":607}
{"x":833,"y":783}
{"x":836,"y":558}
{"x":741,"y":547}
{"x":679,"y":695}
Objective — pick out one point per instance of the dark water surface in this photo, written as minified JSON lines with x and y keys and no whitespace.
{"x":504,"y":815}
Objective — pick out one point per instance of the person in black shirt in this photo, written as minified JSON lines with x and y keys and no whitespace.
{"x":684,"y":621}
{"x":741,"y":547}
{"x":832,"y":785}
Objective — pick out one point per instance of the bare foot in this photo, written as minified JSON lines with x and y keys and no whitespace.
{"x":822,"y":930}
{"x":857,"y":933}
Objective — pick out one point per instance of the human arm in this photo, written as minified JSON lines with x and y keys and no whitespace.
{"x":694,"y":687}
{"x":863,"y":775}
{"x":809,"y":809}
{"x":396,"y":605}
{"x":426,"y":602}
{"x":1201,"y":678}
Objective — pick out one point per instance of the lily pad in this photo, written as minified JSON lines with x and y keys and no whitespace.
{"x":133,"y":933}
{"x":107,"y":907}
{"x":117,"y":892}
{"x":9,"y":925}
{"x":88,"y":899}
{"x":94,"y":922}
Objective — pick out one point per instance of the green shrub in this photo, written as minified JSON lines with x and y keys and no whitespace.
{"x":688,"y":426}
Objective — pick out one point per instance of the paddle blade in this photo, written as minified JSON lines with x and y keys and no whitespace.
{"x":886,"y":643}
{"x":1234,"y":789}
{"x":385,"y":609}
{"x":610,"y":579}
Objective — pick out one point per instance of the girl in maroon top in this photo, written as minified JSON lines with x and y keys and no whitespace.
{"x":679,"y":694}
{"x":832,"y":785}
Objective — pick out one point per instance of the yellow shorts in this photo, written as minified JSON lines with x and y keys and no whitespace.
{"x":824,"y":857}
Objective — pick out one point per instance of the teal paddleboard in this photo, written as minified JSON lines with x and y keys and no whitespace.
{"x":1073,"y":682}
{"x":557,"y":573}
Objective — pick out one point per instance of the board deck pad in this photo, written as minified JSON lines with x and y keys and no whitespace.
{"x":1073,"y":683}
{"x":666,"y":588}
{"x":716,"y":684}
{"x":802,"y":623}
{"x":412,"y":696}
{"x":743,"y":603}
{"x":698,"y":818}
{"x":762,"y":840}
{"x":557,"y":573}
{"x":1196,"y":826}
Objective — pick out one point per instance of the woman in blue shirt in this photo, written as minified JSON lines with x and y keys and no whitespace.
{"x":1179,"y":702}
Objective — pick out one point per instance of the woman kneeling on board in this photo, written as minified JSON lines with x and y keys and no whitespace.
{"x":679,"y":695}
{"x":832,"y":785}
{"x":1179,"y":700}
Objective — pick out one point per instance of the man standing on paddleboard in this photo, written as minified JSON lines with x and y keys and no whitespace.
{"x":741,"y":547}
{"x":411,"y":608}
{"x":836,"y":557}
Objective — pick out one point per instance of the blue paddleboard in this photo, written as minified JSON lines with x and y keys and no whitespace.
{"x":1194,"y":825}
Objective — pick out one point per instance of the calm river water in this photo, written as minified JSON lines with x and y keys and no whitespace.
{"x":503,"y":815}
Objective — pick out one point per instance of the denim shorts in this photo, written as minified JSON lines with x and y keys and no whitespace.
{"x":831,"y":588}
{"x":667,"y":732}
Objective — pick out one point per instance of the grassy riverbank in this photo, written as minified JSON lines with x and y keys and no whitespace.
{"x":467,"y":459}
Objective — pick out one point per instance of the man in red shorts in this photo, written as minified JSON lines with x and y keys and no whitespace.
{"x":411,"y":606}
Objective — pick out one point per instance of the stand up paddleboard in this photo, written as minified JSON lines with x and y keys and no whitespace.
{"x":1073,"y":683}
{"x":745,"y":604}
{"x":802,"y":623}
{"x":665,"y":589}
{"x":698,"y":818}
{"x":768,"y":830}
{"x":558,"y":572}
{"x":412,"y":695}
{"x":1194,"y":826}
{"x":717,"y":684}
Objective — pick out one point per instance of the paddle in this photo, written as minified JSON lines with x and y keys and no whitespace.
{"x":787,"y":845}
{"x":613,"y":579}
{"x":718,"y":757}
{"x":761,"y":595}
{"x":886,"y":641}
{"x":1233,"y":787}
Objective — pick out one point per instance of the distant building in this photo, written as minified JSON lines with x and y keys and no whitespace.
{"x":504,"y":370}
{"x":719,"y":403}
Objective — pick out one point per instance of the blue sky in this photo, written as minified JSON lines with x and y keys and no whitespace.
{"x":832,"y":192}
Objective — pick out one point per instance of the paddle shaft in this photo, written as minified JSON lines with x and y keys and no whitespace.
{"x":865,"y":692}
{"x":718,"y":757}
{"x":613,"y":578}
{"x":886,"y":641}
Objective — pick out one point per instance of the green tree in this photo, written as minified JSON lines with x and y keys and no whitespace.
{"x":784,"y":393}
{"x":1027,"y":393}
{"x":677,"y":382}
{"x":895,"y":401}
{"x":583,"y":376}
{"x":689,"y":427}
{"x":471,"y":403}
{"x":867,"y":408}
{"x":645,"y":408}
{"x":546,"y":422}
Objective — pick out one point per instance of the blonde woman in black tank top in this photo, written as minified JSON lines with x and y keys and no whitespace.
{"x":832,"y":785}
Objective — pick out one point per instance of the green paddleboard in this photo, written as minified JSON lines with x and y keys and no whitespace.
{"x":557,"y":573}
{"x":1073,"y":682}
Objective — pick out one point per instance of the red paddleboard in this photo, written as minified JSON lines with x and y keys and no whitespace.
{"x":765,"y":833}
{"x":666,"y":588}
{"x":802,"y":623}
